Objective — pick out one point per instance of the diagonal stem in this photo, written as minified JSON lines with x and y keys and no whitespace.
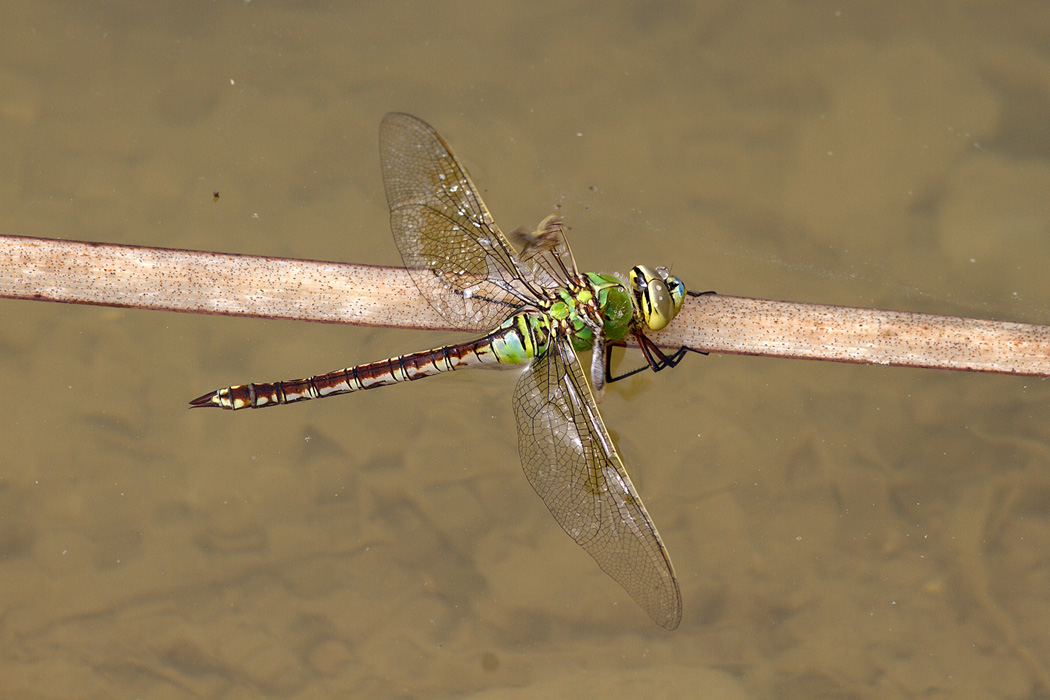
{"x":242,"y":285}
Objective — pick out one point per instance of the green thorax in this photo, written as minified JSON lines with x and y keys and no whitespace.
{"x":614,"y":305}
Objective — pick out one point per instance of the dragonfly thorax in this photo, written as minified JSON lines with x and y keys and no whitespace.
{"x":658,"y":295}
{"x":593,"y":301}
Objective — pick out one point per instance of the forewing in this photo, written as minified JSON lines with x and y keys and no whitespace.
{"x":572,"y":463}
{"x":455,"y":253}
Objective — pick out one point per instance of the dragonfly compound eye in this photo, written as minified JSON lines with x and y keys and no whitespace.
{"x":655,"y":302}
{"x":677,"y":290}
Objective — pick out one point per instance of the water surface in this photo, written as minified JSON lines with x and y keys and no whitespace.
{"x":838,"y":531}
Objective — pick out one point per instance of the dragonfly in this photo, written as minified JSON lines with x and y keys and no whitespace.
{"x":537,"y":311}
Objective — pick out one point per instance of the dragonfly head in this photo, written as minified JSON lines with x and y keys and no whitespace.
{"x":658,"y":296}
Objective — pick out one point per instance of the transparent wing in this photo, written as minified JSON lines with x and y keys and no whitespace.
{"x":454,"y":252}
{"x":546,"y":253}
{"x":572,"y":463}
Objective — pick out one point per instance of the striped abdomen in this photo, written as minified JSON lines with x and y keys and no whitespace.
{"x":514,"y":342}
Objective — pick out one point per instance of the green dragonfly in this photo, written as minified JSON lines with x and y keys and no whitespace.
{"x":537,"y":312}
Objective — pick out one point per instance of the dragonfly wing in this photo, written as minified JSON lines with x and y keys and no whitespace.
{"x":457,"y":256}
{"x":570,"y":459}
{"x":546,"y":252}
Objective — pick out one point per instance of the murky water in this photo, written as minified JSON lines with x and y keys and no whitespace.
{"x":838,"y":531}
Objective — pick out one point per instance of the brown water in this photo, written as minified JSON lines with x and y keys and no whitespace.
{"x":839,"y":531}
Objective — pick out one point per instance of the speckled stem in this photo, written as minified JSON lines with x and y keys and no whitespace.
{"x":241,"y":285}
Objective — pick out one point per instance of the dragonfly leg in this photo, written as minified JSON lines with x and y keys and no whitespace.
{"x":655,"y":358}
{"x":599,"y":365}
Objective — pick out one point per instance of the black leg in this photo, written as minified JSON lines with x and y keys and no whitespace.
{"x":655,"y":358}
